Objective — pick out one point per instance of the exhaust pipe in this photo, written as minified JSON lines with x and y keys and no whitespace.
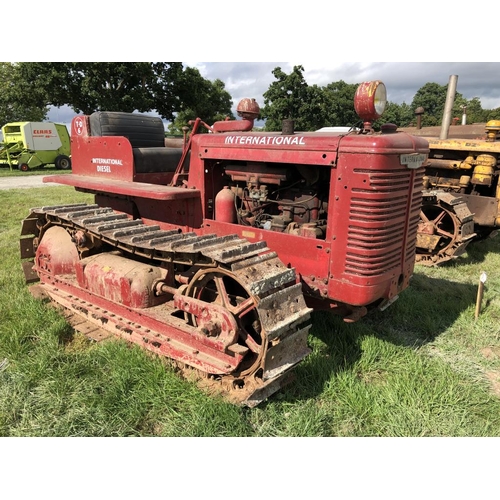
{"x":448,"y":107}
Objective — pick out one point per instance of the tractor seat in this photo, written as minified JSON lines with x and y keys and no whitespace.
{"x":146,"y":135}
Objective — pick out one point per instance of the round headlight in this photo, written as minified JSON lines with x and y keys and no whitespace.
{"x":370,"y":100}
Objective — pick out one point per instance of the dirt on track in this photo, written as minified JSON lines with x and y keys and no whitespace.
{"x":20,"y":182}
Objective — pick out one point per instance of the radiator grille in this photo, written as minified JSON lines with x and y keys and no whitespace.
{"x":377,"y":227}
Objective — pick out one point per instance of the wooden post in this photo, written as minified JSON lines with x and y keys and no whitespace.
{"x":480,"y":292}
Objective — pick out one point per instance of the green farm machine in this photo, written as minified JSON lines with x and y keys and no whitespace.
{"x":27,"y":145}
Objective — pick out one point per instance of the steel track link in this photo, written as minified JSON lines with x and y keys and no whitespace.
{"x":284,"y":318}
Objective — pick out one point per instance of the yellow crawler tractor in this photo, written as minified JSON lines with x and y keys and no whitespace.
{"x":461,"y":198}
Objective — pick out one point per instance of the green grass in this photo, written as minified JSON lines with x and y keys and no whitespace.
{"x":5,"y":171}
{"x":423,"y":367}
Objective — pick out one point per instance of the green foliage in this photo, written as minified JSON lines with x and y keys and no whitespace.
{"x":493,"y":114}
{"x":339,"y":102}
{"x":399,"y":114}
{"x":432,"y":97}
{"x":200,"y":98}
{"x":475,"y":112}
{"x":86,"y":87}
{"x":20,"y":99}
{"x":311,"y":107}
{"x":286,"y":98}
{"x":181,"y":94}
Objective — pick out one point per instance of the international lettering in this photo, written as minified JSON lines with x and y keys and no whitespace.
{"x":108,"y":161}
{"x":252,"y":140}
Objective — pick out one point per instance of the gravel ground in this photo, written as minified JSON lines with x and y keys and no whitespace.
{"x":21,"y":182}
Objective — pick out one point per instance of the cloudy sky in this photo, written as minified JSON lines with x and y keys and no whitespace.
{"x":402,"y":79}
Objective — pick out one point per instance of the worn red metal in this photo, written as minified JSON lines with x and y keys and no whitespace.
{"x":225,"y":210}
{"x":216,"y":253}
{"x":370,"y":100}
{"x":366,"y":254}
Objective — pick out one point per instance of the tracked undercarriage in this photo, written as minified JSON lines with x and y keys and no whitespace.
{"x":446,"y":228}
{"x":227,"y":308}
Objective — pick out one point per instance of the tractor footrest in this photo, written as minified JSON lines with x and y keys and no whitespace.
{"x":137,"y":189}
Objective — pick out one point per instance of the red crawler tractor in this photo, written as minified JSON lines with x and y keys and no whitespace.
{"x":216,"y":254}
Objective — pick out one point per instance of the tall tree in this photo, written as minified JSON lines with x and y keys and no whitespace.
{"x":400,"y":114}
{"x":19,"y":99}
{"x":200,"y":98}
{"x":493,"y":114}
{"x":475,"y":112}
{"x":340,"y":104}
{"x":88,"y":87}
{"x":432,"y":97}
{"x":311,"y":107}
{"x":125,"y":86}
{"x":285,"y":99}
{"x":314,"y":109}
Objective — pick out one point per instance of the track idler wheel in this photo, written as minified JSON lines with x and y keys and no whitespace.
{"x":444,"y":231}
{"x":56,"y":253}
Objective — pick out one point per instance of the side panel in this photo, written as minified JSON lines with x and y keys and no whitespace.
{"x":63,"y":133}
{"x":103,"y":157}
{"x":376,"y":213}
